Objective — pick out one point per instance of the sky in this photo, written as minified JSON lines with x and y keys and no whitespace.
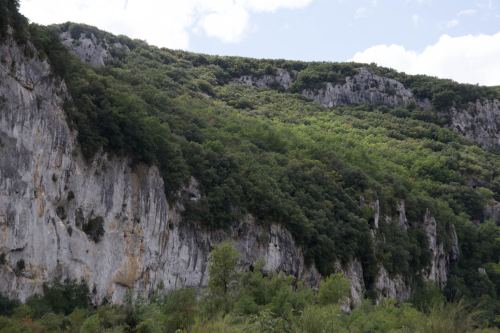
{"x":454,"y":39}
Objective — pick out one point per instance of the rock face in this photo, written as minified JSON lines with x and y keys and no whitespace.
{"x":90,"y":49}
{"x":479,"y":122}
{"x":354,"y":272}
{"x":282,"y":79}
{"x":393,"y":287}
{"x":440,"y":259}
{"x":363,"y":88}
{"x":106,"y":221}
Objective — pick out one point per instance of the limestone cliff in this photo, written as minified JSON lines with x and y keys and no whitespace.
{"x":108,"y":221}
{"x":105,"y":221}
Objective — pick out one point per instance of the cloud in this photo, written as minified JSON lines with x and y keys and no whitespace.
{"x":161,"y":22}
{"x":466,"y":12}
{"x":469,"y":59}
{"x":452,"y":23}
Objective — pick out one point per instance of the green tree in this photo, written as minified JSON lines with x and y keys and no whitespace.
{"x":180,"y":308}
{"x":222,"y":268}
{"x":223,"y":277}
{"x":334,"y":289}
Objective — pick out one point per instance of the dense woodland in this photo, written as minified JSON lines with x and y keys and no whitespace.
{"x":283,"y":159}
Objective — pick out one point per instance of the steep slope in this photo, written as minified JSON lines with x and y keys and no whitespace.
{"x":128,"y":171}
{"x":105,"y":221}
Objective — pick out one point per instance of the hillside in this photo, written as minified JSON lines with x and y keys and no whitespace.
{"x":123,"y":165}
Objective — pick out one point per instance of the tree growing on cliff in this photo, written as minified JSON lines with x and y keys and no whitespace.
{"x":333,"y":289}
{"x":223,"y":277}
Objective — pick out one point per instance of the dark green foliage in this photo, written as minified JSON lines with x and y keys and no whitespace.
{"x":7,"y":306}
{"x":179,"y":307}
{"x":10,"y":17}
{"x":20,"y":266}
{"x":61,"y":212}
{"x":61,"y":298}
{"x":427,"y":297}
{"x":94,"y":228}
{"x":316,"y":75}
{"x":334,"y":289}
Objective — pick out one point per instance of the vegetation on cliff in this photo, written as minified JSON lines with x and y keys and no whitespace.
{"x":240,"y":302}
{"x":284,"y":159}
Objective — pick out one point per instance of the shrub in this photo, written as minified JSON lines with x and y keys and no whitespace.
{"x":334,"y":289}
{"x":94,"y":228}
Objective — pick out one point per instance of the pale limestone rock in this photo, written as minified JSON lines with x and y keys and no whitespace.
{"x":282,"y":79}
{"x":440,"y":259}
{"x":48,"y":194}
{"x":393,"y":287}
{"x":363,"y":88}
{"x":353,"y":271}
{"x":88,"y":48}
{"x":479,"y":122}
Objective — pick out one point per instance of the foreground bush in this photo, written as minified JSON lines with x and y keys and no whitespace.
{"x":242,"y":302}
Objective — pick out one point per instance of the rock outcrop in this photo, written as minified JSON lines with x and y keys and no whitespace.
{"x":479,"y":122}
{"x":105,"y":221}
{"x":363,"y":88}
{"x":96,"y":52}
{"x":440,"y":258}
{"x":282,"y":79}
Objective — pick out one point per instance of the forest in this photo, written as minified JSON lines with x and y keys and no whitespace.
{"x":278,"y":156}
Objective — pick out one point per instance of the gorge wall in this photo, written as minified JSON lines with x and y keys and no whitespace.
{"x":108,"y":221}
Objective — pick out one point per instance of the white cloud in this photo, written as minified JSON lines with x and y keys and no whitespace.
{"x":452,"y":23}
{"x":466,"y":12}
{"x":229,"y":25}
{"x":161,"y":22}
{"x":469,"y":59}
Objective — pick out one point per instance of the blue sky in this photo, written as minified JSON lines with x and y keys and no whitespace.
{"x":336,"y":30}
{"x":456,"y":39}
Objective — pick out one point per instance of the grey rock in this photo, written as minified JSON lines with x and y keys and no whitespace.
{"x":353,"y":271}
{"x":393,"y":287}
{"x":363,"y":88}
{"x":282,"y":79}
{"x":440,"y":259}
{"x":91,"y":50}
{"x":144,"y":243}
{"x":492,"y":212}
{"x":479,"y":122}
{"x":403,"y":221}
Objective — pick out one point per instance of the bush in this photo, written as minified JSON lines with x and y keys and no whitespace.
{"x":94,"y":228}
{"x":179,"y":307}
{"x":334,"y":289}
{"x":61,"y":298}
{"x":7,"y":306}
